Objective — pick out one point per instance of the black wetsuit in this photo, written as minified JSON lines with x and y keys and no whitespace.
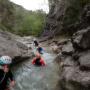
{"x":36,"y":43}
{"x":37,"y":62}
{"x":4,"y":79}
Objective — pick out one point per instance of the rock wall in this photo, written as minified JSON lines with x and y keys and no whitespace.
{"x":73,"y":18}
{"x":74,"y":58}
{"x":74,"y":62}
{"x":65,"y":17}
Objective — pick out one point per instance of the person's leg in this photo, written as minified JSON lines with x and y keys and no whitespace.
{"x":41,"y":50}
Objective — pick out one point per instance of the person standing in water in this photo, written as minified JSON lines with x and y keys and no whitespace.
{"x":38,"y":47}
{"x":40,"y":50}
{"x":38,"y":60}
{"x":6,"y":76}
{"x":36,"y":43}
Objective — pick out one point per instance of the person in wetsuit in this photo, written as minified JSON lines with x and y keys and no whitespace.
{"x":40,"y":50}
{"x":36,"y":43}
{"x":38,"y":60}
{"x":6,"y":76}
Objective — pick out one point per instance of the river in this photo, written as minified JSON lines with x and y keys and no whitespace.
{"x":30,"y":77}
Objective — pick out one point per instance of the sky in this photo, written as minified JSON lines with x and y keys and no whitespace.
{"x":33,"y":4}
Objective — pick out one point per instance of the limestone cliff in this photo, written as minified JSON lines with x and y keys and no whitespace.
{"x":66,"y":16}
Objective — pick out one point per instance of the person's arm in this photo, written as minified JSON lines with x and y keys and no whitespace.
{"x":33,"y":61}
{"x":42,"y":62}
{"x":12,"y":80}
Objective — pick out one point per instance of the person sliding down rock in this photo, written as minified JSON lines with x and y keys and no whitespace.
{"x":6,"y":76}
{"x":38,"y":60}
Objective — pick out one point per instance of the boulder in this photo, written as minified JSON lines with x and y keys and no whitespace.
{"x":10,"y":46}
{"x":68,"y":49}
{"x":73,"y":79}
{"x":81,"y":39}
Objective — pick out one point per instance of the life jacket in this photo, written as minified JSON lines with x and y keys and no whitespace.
{"x":38,"y":61}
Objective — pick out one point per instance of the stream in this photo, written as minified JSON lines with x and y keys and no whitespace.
{"x":30,"y":77}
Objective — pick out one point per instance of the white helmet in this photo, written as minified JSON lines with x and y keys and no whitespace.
{"x":5,"y":60}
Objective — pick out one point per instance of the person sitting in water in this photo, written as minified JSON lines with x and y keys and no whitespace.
{"x":40,"y":50}
{"x":6,"y":75}
{"x":38,"y":60}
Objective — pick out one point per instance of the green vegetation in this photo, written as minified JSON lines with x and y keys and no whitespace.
{"x":17,"y":20}
{"x":30,"y":23}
